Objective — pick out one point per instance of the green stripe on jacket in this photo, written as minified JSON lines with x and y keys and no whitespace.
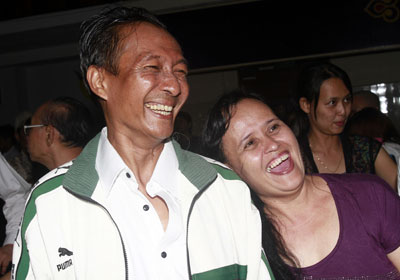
{"x":230,"y":272}
{"x":30,"y":212}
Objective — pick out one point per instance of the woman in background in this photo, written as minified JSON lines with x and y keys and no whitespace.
{"x":325,"y":96}
{"x":328,"y":225}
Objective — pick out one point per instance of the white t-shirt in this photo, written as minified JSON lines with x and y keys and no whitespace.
{"x":14,"y":191}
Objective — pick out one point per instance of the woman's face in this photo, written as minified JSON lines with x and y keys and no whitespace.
{"x":333,"y":109}
{"x":262,"y":150}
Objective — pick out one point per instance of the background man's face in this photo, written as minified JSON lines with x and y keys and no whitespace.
{"x":143,"y":99}
{"x":36,"y":138}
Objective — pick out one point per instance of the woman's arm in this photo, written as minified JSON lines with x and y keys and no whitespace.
{"x":386,"y":168}
{"x":394,"y":257}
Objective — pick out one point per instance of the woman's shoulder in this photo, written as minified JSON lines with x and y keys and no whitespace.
{"x":361,"y":141}
{"x":360,"y":153}
{"x":358,"y":184}
{"x":367,"y":194}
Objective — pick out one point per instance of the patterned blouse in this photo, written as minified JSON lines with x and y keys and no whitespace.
{"x":359,"y":152}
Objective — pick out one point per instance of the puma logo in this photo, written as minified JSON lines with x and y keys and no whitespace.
{"x":64,"y":252}
{"x":64,"y":265}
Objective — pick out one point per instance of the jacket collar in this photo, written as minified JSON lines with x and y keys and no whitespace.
{"x":82,"y":176}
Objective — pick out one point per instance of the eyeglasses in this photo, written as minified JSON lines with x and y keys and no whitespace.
{"x":28,"y":127}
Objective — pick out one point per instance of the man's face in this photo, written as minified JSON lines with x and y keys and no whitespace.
{"x":36,"y":139}
{"x":143,"y":99}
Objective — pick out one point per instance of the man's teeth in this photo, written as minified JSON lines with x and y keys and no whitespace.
{"x":160,"y":108}
{"x":276,"y":162}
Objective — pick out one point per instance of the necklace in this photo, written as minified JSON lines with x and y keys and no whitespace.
{"x":321,"y":162}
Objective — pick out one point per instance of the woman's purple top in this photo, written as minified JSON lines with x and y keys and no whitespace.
{"x":369,"y":217}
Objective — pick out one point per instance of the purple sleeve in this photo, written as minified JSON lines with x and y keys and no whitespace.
{"x":387,"y":209}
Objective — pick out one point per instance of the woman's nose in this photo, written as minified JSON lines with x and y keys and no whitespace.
{"x":270,"y":144}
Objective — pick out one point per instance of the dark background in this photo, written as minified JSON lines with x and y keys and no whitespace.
{"x":242,"y":33}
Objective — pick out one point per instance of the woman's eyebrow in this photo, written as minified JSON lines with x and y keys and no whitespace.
{"x":245,"y":138}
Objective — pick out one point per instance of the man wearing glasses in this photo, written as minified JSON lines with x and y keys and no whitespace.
{"x":58,"y":131}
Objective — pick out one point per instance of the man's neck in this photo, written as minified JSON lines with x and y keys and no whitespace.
{"x":141,"y":159}
{"x":63,"y":155}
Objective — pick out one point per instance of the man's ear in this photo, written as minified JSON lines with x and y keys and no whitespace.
{"x":50,"y":135}
{"x":96,"y":79}
{"x":304,"y":105}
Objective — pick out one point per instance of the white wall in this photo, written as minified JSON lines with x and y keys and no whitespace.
{"x":372,"y":68}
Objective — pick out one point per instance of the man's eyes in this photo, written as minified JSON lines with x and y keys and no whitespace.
{"x":181,"y":72}
{"x":152,"y":67}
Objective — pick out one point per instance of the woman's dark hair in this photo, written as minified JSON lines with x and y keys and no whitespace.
{"x":309,"y":85}
{"x":312,"y":77}
{"x":216,"y":126}
{"x":101,"y":37}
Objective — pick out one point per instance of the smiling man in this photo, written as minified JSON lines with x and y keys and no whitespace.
{"x":134,"y":205}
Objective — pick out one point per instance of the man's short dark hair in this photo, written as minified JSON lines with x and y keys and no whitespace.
{"x":71,"y":118}
{"x":369,"y":97}
{"x":100,"y":38}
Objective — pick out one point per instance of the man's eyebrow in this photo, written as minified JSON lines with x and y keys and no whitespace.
{"x":149,"y":56}
{"x":184,"y":61}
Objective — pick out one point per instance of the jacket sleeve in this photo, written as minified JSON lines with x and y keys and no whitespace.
{"x":13,"y":190}
{"x":259,"y":267}
{"x":30,"y":259}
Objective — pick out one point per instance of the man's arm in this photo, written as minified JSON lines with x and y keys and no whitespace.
{"x":5,"y":257}
{"x":13,"y":190}
{"x":29,"y":259}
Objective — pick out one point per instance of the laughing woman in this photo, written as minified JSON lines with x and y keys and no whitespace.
{"x":336,"y":226}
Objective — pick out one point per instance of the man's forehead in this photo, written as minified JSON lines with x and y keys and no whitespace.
{"x":39,"y":112}
{"x":149,"y":55}
{"x":147,"y":35}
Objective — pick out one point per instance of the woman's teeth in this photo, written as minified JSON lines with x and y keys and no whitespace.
{"x":276,"y":162}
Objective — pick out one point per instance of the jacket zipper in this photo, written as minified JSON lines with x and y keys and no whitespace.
{"x":119,"y":232}
{"x":195,"y":198}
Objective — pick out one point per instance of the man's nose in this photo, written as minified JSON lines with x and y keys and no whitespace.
{"x":170,"y":84}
